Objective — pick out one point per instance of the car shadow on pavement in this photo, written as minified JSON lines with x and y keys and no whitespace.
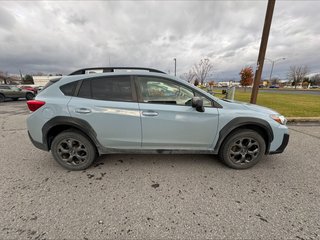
{"x":163,"y":160}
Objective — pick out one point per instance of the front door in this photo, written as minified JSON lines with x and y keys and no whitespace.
{"x":168,"y":119}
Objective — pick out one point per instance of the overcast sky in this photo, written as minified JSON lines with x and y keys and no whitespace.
{"x":62,"y":36}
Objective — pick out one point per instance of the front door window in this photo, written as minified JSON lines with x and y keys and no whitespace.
{"x":157,"y":90}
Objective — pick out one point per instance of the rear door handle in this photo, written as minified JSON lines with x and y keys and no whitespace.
{"x":150,"y":114}
{"x":83,"y":110}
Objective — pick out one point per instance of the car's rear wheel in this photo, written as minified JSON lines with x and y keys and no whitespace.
{"x":2,"y":98}
{"x":73,"y":150}
{"x":243,"y":149}
{"x":29,"y":96}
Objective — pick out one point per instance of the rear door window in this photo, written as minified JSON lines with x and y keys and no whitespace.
{"x":115,"y":88}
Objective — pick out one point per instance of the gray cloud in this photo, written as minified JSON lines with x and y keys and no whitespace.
{"x":7,"y":21}
{"x":60,"y":36}
{"x":77,"y":20}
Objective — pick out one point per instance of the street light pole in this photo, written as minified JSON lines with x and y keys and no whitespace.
{"x":271,"y":71}
{"x":272,"y":66}
{"x":175,"y":66}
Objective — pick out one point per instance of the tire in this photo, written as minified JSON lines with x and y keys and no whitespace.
{"x":15,"y":99}
{"x":242,"y":149}
{"x":73,"y":150}
{"x":29,"y":96}
{"x":2,"y":98}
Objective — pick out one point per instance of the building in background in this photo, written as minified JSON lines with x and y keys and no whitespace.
{"x":42,"y":80}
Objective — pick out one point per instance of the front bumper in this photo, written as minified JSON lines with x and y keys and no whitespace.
{"x":283,"y":145}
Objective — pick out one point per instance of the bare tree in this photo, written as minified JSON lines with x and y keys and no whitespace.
{"x":202,"y":70}
{"x":296,"y":74}
{"x":189,"y":76}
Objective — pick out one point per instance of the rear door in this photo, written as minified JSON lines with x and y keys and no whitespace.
{"x":168,"y":119}
{"x":109,"y":105}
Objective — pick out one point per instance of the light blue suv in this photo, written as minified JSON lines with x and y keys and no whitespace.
{"x":137,"y":110}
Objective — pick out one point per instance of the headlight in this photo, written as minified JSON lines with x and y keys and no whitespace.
{"x":279,"y":118}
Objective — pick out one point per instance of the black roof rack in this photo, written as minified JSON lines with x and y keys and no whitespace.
{"x":111,"y":69}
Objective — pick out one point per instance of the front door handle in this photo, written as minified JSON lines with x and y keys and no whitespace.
{"x":150,"y":114}
{"x":83,"y":110}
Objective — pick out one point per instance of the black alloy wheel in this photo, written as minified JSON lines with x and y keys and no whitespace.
{"x":73,"y":150}
{"x":243,"y":149}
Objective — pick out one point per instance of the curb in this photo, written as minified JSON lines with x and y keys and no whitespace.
{"x":304,"y":120}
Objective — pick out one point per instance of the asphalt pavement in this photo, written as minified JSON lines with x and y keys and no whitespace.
{"x":156,"y":196}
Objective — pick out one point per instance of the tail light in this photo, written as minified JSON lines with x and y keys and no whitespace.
{"x":34,"y":105}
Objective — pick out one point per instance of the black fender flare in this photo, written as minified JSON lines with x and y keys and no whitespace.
{"x":244,"y":121}
{"x":80,"y":124}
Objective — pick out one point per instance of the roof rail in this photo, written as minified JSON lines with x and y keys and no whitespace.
{"x":111,"y":69}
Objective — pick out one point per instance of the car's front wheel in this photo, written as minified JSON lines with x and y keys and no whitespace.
{"x":243,"y":149}
{"x":73,"y":150}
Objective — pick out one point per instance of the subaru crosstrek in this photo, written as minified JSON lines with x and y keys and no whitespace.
{"x":81,"y":116}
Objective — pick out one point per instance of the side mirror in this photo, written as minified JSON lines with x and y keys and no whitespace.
{"x":197,"y":103}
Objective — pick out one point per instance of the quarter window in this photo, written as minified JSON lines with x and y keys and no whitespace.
{"x":68,"y":89}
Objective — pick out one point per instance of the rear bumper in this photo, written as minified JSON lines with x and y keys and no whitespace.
{"x":283,"y":145}
{"x":37,"y":144}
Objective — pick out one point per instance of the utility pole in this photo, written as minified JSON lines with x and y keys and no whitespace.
{"x":262,"y":51}
{"x":175,"y":66}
